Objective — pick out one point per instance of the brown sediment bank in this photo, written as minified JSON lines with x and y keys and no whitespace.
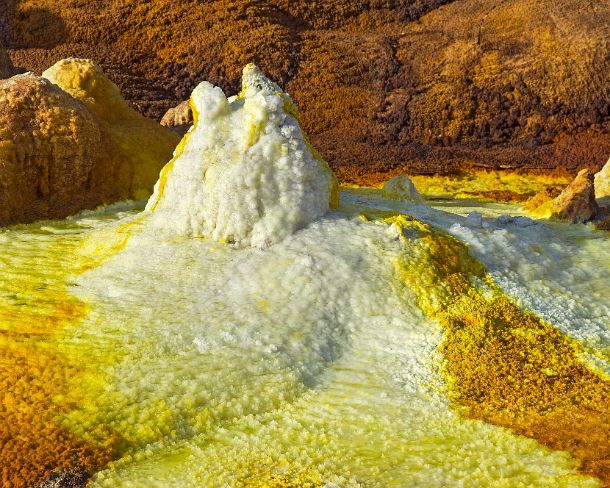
{"x":424,"y":85}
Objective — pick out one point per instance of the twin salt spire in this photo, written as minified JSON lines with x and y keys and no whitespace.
{"x":245,"y":173}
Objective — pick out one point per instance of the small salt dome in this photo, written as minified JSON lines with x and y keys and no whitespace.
{"x":475,"y":219}
{"x":401,"y":187}
{"x":245,"y":173}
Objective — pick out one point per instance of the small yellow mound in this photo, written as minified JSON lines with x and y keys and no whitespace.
{"x":136,"y":148}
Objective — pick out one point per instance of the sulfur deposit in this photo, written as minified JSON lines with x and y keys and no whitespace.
{"x":245,"y":173}
{"x":134,"y":148}
{"x":253,"y":327}
{"x":68,"y":141}
{"x":230,"y":370}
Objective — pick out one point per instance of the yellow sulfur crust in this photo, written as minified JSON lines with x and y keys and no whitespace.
{"x":505,"y":365}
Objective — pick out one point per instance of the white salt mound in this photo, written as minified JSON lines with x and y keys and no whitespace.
{"x":245,"y":173}
{"x":402,"y":187}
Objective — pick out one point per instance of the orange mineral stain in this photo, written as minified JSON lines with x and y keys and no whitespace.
{"x":33,"y":379}
{"x":505,"y":365}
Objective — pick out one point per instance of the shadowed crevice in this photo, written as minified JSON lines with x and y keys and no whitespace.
{"x":25,"y":27}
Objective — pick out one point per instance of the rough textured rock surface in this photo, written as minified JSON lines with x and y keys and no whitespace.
{"x":135,"y":148}
{"x":48,"y":147}
{"x":179,"y":118}
{"x":602,"y":182}
{"x":403,"y":188}
{"x":541,"y":198}
{"x":422,"y":85}
{"x":61,"y":153}
{"x":577,"y":202}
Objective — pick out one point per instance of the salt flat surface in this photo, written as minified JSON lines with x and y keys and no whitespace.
{"x":558,"y":270}
{"x":213,"y":362}
{"x":219,"y":366}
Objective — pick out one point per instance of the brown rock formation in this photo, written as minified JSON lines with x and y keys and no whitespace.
{"x":135,"y":148}
{"x":541,"y":198}
{"x":603,"y":223}
{"x":179,"y":118}
{"x":48,"y":147}
{"x":60,"y":154}
{"x":416,"y":85}
{"x":401,"y":187}
{"x":577,"y":202}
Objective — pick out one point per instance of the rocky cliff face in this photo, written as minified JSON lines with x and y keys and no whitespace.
{"x":426,"y":85}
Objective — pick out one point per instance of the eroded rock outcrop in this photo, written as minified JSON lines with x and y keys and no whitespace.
{"x":576,"y":203}
{"x":179,"y":118}
{"x":602,"y":182}
{"x":246,"y":174}
{"x":402,"y":187}
{"x":70,"y":142}
{"x":49,"y":146}
{"x":541,"y":198}
{"x":135,"y":147}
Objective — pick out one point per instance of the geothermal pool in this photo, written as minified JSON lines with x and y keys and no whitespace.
{"x":387,"y":343}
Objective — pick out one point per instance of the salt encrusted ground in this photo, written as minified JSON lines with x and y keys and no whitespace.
{"x":249,"y":328}
{"x":195,"y":358}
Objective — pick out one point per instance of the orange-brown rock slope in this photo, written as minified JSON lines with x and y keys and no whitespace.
{"x":421,"y":85}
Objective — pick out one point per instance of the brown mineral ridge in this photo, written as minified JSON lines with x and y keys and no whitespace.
{"x":424,"y":85}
